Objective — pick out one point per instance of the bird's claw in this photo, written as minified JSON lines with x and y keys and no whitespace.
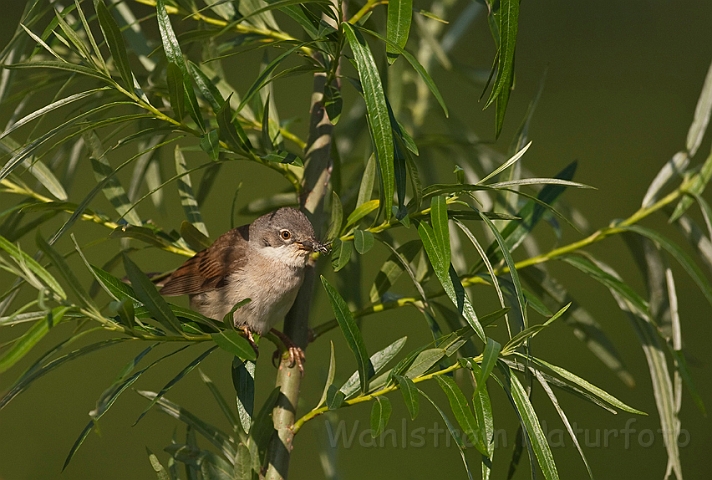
{"x":248,"y":335}
{"x":295,"y":353}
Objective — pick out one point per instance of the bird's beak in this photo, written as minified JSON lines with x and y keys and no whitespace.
{"x":316,"y":246}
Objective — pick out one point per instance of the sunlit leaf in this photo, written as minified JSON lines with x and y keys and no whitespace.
{"x":377,"y":112}
{"x":380,"y":414}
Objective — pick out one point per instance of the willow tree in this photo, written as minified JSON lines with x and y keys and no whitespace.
{"x":137,"y":92}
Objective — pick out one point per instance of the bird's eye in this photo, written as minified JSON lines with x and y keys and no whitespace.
{"x":285,"y":234}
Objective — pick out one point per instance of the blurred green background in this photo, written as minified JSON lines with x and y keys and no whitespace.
{"x":623,"y":79}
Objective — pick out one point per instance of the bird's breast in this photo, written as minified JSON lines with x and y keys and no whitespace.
{"x":271,"y":286}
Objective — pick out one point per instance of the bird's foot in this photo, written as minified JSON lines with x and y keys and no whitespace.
{"x":248,"y":335}
{"x":296,"y":354}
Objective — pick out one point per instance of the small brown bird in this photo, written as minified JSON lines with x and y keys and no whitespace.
{"x":264,"y":261}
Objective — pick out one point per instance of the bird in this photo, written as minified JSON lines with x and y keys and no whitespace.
{"x":264,"y":261}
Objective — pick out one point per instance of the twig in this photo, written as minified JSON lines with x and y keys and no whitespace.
{"x":317,"y":174}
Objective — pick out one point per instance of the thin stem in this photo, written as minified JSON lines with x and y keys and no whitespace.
{"x":245,"y":29}
{"x":595,"y":237}
{"x":367,"y":398}
{"x":370,"y":5}
{"x":12,"y":187}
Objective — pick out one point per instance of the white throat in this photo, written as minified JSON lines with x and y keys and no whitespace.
{"x":288,"y":255}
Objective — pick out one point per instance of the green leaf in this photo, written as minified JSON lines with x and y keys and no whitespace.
{"x":176,"y":94}
{"x":333,"y":102}
{"x":416,"y":66}
{"x":38,"y":370}
{"x":109,"y":396}
{"x":351,"y":332}
{"x":514,"y":159}
{"x":243,"y":380}
{"x":360,"y":212}
{"x":185,"y":190}
{"x":329,"y":377}
{"x":510,"y":264}
{"x":378,"y":360}
{"x":207,"y":87}
{"x":461,"y":409}
{"x":115,"y":287}
{"x":483,"y":415}
{"x":400,"y":14}
{"x":380,"y":414}
{"x":30,"y":338}
{"x":363,"y":241}
{"x":150,"y":298}
{"x":410,"y":395}
{"x":231,"y":131}
{"x":368,"y":178}
{"x":115,"y":41}
{"x":126,"y":312}
{"x":185,"y":371}
{"x":439,"y":222}
{"x":161,"y":472}
{"x":450,"y":281}
{"x":41,"y":112}
{"x":564,"y":419}
{"x":489,"y":361}
{"x":214,"y":467}
{"x":454,"y":433}
{"x":488,"y":264}
{"x":702,"y":116}
{"x":392,"y":268}
{"x":575,"y":379}
{"x":72,"y":35}
{"x":211,"y":433}
{"x":529,"y":332}
{"x":608,"y":280}
{"x":337,"y":218}
{"x":693,"y":187}
{"x":243,"y":463}
{"x":194,"y":237}
{"x":112,"y":189}
{"x":64,"y":270}
{"x":424,"y":361}
{"x":263,"y":426}
{"x":31,"y":264}
{"x":265,"y":75}
{"x":530,"y":422}
{"x":377,"y":112}
{"x":508,"y":18}
{"x":341,"y":254}
{"x":173,"y":52}
{"x":220,"y":400}
{"x":232,"y":342}
{"x":210,"y":144}
{"x":687,"y":263}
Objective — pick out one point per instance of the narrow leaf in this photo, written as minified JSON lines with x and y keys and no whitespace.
{"x":400,"y":14}
{"x":185,"y":189}
{"x":352,"y":333}
{"x":149,"y":296}
{"x":232,"y":342}
{"x":113,"y":38}
{"x":377,"y":112}
{"x":530,"y":422}
{"x":329,"y":377}
{"x":380,"y":414}
{"x":410,"y":395}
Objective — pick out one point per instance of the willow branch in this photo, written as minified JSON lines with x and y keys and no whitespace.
{"x":371,"y":396}
{"x":469,"y":280}
{"x":317,"y":174}
{"x":269,"y":35}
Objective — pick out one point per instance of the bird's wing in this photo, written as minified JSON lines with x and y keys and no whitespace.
{"x":209,"y":269}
